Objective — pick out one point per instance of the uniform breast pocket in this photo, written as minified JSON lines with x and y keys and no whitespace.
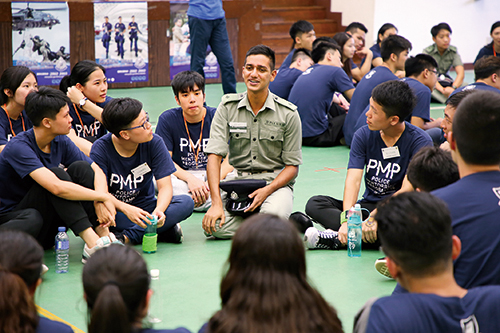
{"x":239,"y":141}
{"x":271,"y":140}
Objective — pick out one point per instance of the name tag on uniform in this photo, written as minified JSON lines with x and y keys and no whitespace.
{"x":237,"y":127}
{"x":141,"y":170}
{"x":390,"y":152}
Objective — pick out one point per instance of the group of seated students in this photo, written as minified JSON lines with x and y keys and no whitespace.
{"x":78,"y":158}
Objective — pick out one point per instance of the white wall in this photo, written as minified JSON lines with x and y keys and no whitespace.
{"x":470,"y":20}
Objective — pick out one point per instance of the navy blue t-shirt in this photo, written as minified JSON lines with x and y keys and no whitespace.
{"x":172,"y":130}
{"x":477,"y":311}
{"x":476,"y":86}
{"x":21,"y":156}
{"x":376,"y":53}
{"x":423,"y":94}
{"x":284,"y":81}
{"x":130,"y":179}
{"x":361,"y":97}
{"x":474,"y":204}
{"x":384,"y":176}
{"x":288,"y":60}
{"x":92,"y":128}
{"x":313,"y":93}
{"x":485,"y":51}
{"x":17,"y":125}
{"x":51,"y":326}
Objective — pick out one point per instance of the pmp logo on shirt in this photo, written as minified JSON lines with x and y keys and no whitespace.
{"x":496,"y":190}
{"x":469,"y":324}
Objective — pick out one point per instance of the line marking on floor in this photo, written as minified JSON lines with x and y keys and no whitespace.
{"x":438,"y":107}
{"x":52,"y":316}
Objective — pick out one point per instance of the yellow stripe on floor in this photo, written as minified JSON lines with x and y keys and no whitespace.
{"x":52,"y":316}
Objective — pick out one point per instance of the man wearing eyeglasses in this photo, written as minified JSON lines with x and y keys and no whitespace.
{"x":130,"y":156}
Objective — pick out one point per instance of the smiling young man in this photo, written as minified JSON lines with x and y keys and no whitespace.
{"x":33,"y":175}
{"x":262,"y":134}
{"x":384,"y":147}
{"x":130,"y":155}
{"x":185,"y":131}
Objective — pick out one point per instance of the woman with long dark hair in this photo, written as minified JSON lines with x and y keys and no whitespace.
{"x":265,"y":288}
{"x":20,"y":269}
{"x":347,"y":51}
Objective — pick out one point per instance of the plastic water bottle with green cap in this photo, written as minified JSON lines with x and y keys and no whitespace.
{"x":150,"y":238}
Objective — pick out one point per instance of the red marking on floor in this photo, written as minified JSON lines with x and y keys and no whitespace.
{"x":330,"y":169}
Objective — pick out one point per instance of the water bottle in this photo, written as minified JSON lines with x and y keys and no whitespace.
{"x":150,"y":238}
{"x":354,"y":232}
{"x":155,"y":305}
{"x":62,"y":251}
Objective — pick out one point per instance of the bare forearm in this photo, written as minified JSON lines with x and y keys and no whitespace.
{"x":286,"y":175}
{"x":213,"y":177}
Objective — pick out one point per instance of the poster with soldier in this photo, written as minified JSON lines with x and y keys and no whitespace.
{"x":121,"y":40}
{"x":40,"y":39}
{"x":180,"y":53}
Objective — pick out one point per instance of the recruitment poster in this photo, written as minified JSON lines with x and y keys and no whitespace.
{"x":180,"y":55}
{"x":121,"y":40}
{"x":40,"y":39}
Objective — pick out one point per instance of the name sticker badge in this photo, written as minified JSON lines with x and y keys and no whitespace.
{"x":237,"y":127}
{"x":141,"y":170}
{"x":390,"y":152}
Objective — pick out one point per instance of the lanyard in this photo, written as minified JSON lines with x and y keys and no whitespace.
{"x":494,"y":52}
{"x":78,"y":114}
{"x":191,"y":141}
{"x":10,"y":122}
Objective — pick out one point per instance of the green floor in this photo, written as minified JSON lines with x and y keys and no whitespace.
{"x":191,"y":272}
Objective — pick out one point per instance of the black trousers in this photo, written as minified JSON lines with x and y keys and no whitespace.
{"x":331,"y":137}
{"x":56,"y":211}
{"x":28,"y":220}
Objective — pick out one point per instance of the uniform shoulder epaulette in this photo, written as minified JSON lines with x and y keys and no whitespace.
{"x":232,"y":98}
{"x":453,"y":48}
{"x":286,"y":103}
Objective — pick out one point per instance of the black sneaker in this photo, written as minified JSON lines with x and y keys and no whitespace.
{"x":327,"y":239}
{"x":172,"y":235}
{"x":119,"y":236}
{"x":301,"y":221}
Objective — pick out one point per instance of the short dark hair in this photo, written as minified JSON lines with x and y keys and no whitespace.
{"x":475,"y":128}
{"x":45,"y":103}
{"x":394,"y":44}
{"x":455,"y":99}
{"x":80,"y":73}
{"x":323,"y":39}
{"x":417,"y":64}
{"x":486,"y":66}
{"x":438,"y":27}
{"x":264,"y":50}
{"x":300,"y":53}
{"x":415,"y":231}
{"x":384,"y":28}
{"x":432,"y":168}
{"x":396,"y":98}
{"x":319,"y":51}
{"x":494,"y":26}
{"x":355,"y":26}
{"x":11,"y":79}
{"x":185,"y":81}
{"x":119,"y":113}
{"x":300,"y":27}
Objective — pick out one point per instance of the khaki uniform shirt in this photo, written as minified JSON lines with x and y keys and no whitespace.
{"x":268,"y":141}
{"x":449,"y":58}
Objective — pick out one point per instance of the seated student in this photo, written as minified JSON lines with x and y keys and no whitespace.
{"x":386,"y":30}
{"x":358,"y":31}
{"x":473,"y":200}
{"x":446,"y":56}
{"x":394,"y":54}
{"x":188,"y":155}
{"x":116,"y":288}
{"x":416,"y":235}
{"x":286,"y":77}
{"x":32,"y":176}
{"x":493,"y":48}
{"x":385,"y":147}
{"x":303,"y":35}
{"x":130,"y":155}
{"x":87,"y":88}
{"x":347,"y":51}
{"x":21,"y":260}
{"x":313,"y":93}
{"x":487,"y":75}
{"x":15,"y":84}
{"x":431,"y":168}
{"x":266,"y":284}
{"x":422,"y":77}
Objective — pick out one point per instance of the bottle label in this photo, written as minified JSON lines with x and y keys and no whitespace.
{"x":62,"y":245}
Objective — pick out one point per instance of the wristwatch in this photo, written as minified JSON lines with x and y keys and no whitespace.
{"x":82,"y":102}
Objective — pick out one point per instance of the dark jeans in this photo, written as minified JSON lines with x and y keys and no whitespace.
{"x":56,"y":211}
{"x":213,"y":33}
{"x":331,"y":137}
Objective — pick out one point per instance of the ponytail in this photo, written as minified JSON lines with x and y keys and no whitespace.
{"x":65,"y":84}
{"x":109,"y":312}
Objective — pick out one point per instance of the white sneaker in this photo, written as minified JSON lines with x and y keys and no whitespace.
{"x":316,"y":239}
{"x":101,"y":242}
{"x":381,"y":267}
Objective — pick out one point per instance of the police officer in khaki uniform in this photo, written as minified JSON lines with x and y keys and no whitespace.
{"x":264,"y":135}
